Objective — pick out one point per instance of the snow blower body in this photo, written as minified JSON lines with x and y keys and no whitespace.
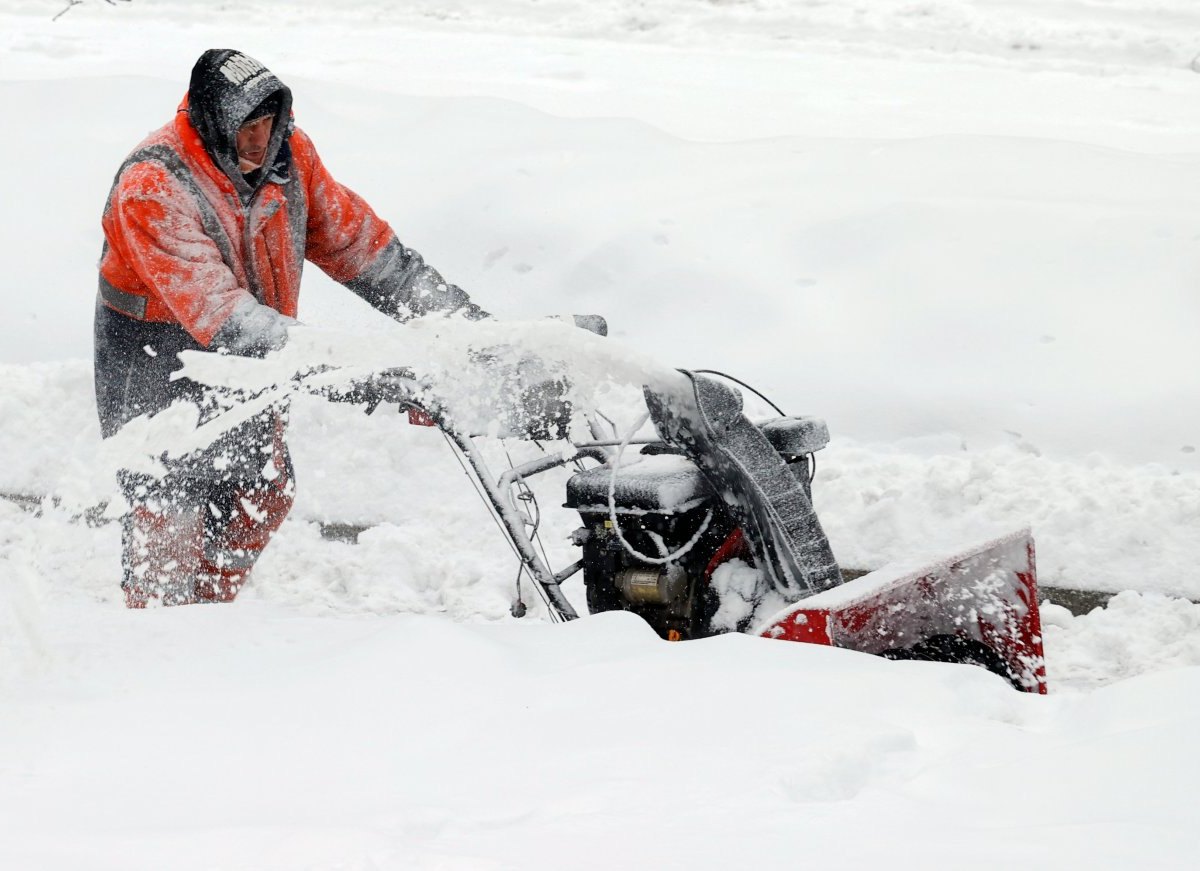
{"x":709,"y":527}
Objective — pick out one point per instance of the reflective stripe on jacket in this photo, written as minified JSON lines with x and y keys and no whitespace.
{"x":188,"y":264}
{"x":181,"y":246}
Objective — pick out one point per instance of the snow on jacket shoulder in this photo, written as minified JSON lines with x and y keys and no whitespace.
{"x":182,"y":246}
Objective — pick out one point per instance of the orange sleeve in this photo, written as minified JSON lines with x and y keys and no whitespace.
{"x":344,"y":233}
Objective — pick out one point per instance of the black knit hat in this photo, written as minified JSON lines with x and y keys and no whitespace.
{"x":227,"y":88}
{"x":269,"y":106}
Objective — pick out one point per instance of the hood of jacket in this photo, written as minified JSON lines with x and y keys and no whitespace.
{"x":225,"y":88}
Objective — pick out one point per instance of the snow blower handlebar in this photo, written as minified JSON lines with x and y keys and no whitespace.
{"x":530,"y":405}
{"x":505,"y":495}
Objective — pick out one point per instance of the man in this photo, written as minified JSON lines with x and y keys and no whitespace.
{"x":206,"y":229}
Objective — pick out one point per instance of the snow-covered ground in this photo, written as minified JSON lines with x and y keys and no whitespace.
{"x":966,"y":233}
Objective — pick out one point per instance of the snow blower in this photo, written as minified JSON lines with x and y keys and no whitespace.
{"x":717,"y":510}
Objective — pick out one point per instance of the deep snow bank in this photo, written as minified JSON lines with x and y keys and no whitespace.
{"x":249,"y":736}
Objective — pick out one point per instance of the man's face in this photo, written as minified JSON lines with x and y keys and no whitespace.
{"x":252,"y":138}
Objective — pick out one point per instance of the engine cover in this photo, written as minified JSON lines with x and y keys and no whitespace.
{"x":661,"y":483}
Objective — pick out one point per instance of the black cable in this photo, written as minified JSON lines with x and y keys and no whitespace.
{"x":482,"y":497}
{"x":743,"y":384}
{"x":812,"y":458}
{"x":527,"y":495}
{"x":550,"y":609}
{"x":518,"y":607}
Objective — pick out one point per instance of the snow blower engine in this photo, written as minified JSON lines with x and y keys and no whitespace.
{"x":655,"y":548}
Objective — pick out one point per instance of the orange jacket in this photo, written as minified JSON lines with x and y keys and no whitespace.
{"x":181,"y":245}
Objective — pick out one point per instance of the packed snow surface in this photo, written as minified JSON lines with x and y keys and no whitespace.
{"x":965,"y":232}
